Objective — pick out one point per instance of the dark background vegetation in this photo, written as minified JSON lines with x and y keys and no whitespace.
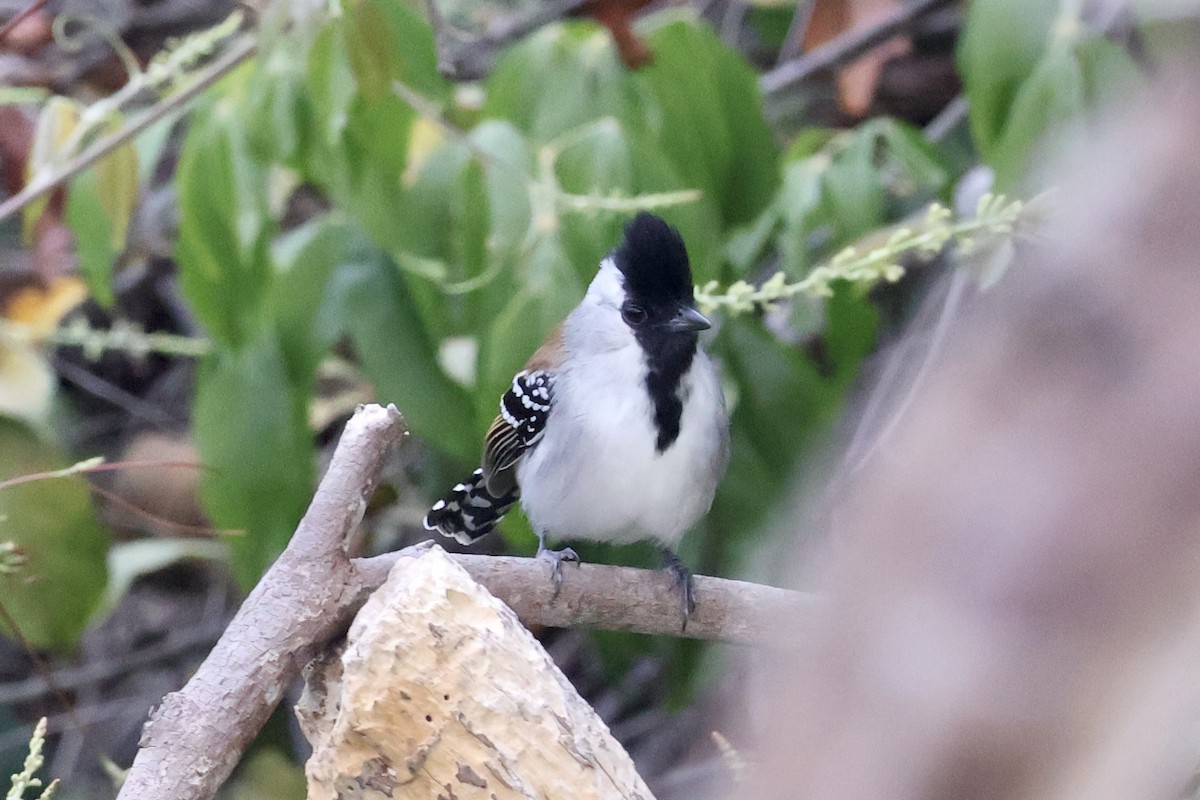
{"x":337,"y":220}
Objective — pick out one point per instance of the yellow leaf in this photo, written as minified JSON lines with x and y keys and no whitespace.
{"x":117,"y":178}
{"x":424,"y":138}
{"x":56,"y":123}
{"x":26,"y":383}
{"x":42,"y":308}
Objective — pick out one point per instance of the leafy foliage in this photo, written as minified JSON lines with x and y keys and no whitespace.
{"x":1047,"y":71}
{"x":62,"y":574}
{"x":469,"y":219}
{"x":489,"y":233}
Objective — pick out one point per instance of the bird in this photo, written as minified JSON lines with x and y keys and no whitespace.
{"x":615,"y":430}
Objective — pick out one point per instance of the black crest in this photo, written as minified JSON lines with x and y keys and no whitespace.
{"x":654,"y":261}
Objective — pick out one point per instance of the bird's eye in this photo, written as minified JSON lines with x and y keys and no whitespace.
{"x":633,"y":314}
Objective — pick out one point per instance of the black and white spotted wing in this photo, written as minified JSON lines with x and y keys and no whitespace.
{"x":475,"y":506}
{"x":524,"y":409}
{"x":469,"y":511}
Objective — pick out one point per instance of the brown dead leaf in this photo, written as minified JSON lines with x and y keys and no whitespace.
{"x":16,"y":139}
{"x":617,"y":16}
{"x":856,"y":82}
{"x":29,"y":34}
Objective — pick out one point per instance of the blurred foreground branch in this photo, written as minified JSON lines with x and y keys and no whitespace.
{"x":309,"y":595}
{"x":1010,"y":606}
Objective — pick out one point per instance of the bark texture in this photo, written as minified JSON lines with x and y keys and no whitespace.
{"x":308,"y":597}
{"x":440,"y":691}
{"x":194,"y":739}
{"x":628,"y":599}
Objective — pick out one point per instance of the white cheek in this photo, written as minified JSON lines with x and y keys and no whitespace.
{"x":607,"y":288}
{"x":595,"y":326}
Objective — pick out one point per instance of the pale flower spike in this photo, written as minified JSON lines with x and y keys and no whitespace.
{"x":996,"y":216}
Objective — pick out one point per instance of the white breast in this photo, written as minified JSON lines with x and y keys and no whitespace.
{"x":596,"y":473}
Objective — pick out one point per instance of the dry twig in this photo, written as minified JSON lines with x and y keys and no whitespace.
{"x":845,"y":48}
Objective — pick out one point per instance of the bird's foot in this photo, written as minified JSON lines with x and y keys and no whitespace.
{"x":682,"y":576}
{"x":556,"y":559}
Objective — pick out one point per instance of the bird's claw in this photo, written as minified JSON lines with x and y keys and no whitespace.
{"x":682,"y":576}
{"x":556,"y":559}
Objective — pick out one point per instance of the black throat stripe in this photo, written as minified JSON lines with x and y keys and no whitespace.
{"x":668,"y":358}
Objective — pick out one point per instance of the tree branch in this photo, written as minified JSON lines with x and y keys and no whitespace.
{"x":462,"y":58}
{"x":622,"y":599}
{"x":19,"y":17}
{"x":194,"y":739}
{"x":309,"y":595}
{"x":238,"y":52}
{"x":845,"y":48}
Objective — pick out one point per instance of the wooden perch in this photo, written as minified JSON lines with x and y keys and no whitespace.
{"x":195,"y":738}
{"x":626,"y":599}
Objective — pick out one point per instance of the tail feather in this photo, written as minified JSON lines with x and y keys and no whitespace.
{"x":469,"y":511}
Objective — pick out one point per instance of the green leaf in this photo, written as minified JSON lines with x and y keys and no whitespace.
{"x":607,"y":159}
{"x":251,"y":431}
{"x":471,"y":198}
{"x":305,"y":259}
{"x":99,"y":206}
{"x":58,"y":588}
{"x":551,"y":288}
{"x":921,"y":170}
{"x":416,"y":64}
{"x":1046,"y":71}
{"x":712,"y":125}
{"x":118,"y":174}
{"x":1001,"y":46}
{"x":278,"y":106}
{"x":787,"y":400}
{"x":57,"y":122}
{"x":800,"y":211}
{"x":372,"y":58}
{"x":578,"y":79}
{"x":851,"y":332}
{"x":93,"y":236}
{"x":1109,"y":72}
{"x":372,"y":298}
{"x":1052,"y":96}
{"x":330,"y":84}
{"x":507,"y":171}
{"x":225,"y":227}
{"x":853,"y":190}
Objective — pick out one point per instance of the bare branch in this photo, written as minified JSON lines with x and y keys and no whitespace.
{"x":846,"y":48}
{"x":623,"y":599}
{"x":194,"y":739}
{"x":463,"y":58}
{"x":238,"y":52}
{"x":19,"y":17}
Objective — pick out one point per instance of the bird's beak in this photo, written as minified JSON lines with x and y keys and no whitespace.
{"x":688,"y":319}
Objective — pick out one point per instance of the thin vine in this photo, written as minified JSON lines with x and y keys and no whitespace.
{"x":996,"y":216}
{"x":122,"y":337}
{"x":170,"y":73}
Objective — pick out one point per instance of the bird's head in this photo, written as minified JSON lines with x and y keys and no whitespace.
{"x":656,"y":279}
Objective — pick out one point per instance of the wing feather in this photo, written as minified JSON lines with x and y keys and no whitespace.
{"x":519,"y":426}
